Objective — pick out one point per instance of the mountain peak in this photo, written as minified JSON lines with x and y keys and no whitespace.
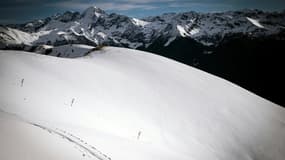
{"x":93,"y":11}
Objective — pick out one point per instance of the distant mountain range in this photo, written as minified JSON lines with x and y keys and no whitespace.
{"x":245,"y":47}
{"x":95,"y":26}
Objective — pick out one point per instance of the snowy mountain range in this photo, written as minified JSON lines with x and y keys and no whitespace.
{"x":241,"y":46}
{"x":94,"y":26}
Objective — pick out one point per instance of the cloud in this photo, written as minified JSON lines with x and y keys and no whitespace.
{"x":113,"y":6}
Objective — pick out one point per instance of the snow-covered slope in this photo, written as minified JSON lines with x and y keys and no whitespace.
{"x":14,"y":36}
{"x":27,"y":141}
{"x":123,"y":104}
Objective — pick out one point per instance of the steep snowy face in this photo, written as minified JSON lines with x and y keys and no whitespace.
{"x":255,"y":22}
{"x":139,"y":22}
{"x":119,"y":103}
{"x":93,"y":12}
{"x":118,"y":30}
{"x":12,"y":37}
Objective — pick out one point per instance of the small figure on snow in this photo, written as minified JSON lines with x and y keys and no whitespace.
{"x":139,"y":135}
{"x":72,"y":101}
{"x":22,"y":82}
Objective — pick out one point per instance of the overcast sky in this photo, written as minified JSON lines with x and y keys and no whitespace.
{"x":18,"y":11}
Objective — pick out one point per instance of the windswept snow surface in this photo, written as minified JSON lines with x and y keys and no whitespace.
{"x":125,"y":104}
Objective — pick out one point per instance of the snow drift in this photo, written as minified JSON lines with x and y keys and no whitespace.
{"x":124,"y":104}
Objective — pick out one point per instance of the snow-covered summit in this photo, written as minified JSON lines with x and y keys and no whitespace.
{"x":93,"y":11}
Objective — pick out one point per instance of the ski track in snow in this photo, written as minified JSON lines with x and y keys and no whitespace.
{"x":81,"y":145}
{"x":194,"y":124}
